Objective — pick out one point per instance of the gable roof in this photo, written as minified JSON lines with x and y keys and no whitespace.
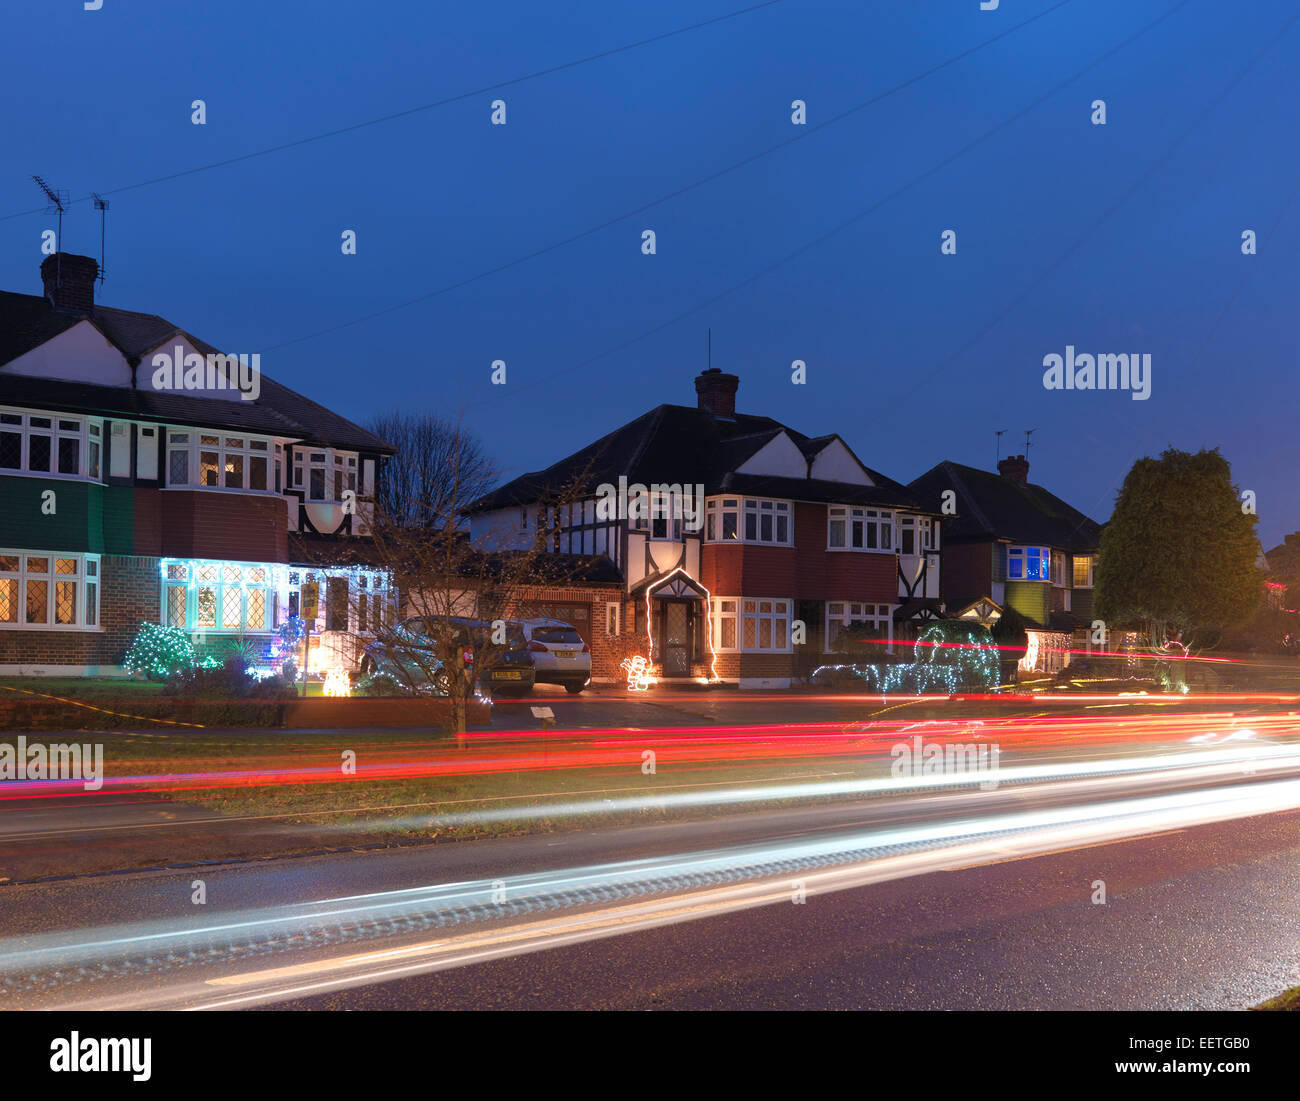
{"x":993,"y":506}
{"x":674,"y":444}
{"x":28,"y":321}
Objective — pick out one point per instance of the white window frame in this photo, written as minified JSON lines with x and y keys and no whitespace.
{"x":340,"y":471}
{"x":924,"y":534}
{"x":1020,"y":556}
{"x":742,"y":508}
{"x":613,"y":618}
{"x":86,"y":577}
{"x":189,"y":575}
{"x":186,"y":440}
{"x":756,"y":609}
{"x":859,"y":525}
{"x":844,"y":613}
{"x":1091,"y":559}
{"x":87,"y":431}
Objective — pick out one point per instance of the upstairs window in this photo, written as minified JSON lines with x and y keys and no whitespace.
{"x":748,"y":520}
{"x":1029,"y":564}
{"x":218,"y":461}
{"x":66,"y":447}
{"x":324,"y":475}
{"x":859,"y":529}
{"x":1083,"y":567}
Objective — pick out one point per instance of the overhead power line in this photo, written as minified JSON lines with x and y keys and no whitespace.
{"x":416,"y":110}
{"x":678,"y":192}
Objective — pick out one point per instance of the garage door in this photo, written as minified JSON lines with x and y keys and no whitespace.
{"x":577,"y":614}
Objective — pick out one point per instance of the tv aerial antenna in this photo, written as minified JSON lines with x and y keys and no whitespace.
{"x":1028,"y":432}
{"x":101,"y":204}
{"x":58,"y":201}
{"x":999,"y":434}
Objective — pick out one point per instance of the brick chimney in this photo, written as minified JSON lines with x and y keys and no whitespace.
{"x":1015,"y":467}
{"x":717,"y":392}
{"x":70,"y":281}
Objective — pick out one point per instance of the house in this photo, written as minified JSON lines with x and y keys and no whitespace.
{"x":1013,"y":544}
{"x":147,"y":477}
{"x":742,"y":546}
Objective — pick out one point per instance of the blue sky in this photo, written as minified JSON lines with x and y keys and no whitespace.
{"x":902,"y":358}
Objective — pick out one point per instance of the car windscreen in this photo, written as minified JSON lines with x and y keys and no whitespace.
{"x":556,"y":634}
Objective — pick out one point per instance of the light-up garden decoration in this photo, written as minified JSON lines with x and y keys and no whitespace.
{"x":952,"y":656}
{"x":337,"y":683}
{"x":639,"y":677}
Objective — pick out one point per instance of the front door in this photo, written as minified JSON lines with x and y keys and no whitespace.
{"x":675,"y":646}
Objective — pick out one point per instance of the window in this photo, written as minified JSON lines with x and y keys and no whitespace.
{"x":48,"y":590}
{"x":756,"y":624}
{"x":1028,"y":564}
{"x":842,"y":614}
{"x":218,"y":596}
{"x":1060,"y":576}
{"x":67,"y":447}
{"x":748,"y":520}
{"x":916,"y":534}
{"x":325,"y":474}
{"x":222,"y":462}
{"x":612,"y":616}
{"x":859,"y":529}
{"x":1083,"y":566}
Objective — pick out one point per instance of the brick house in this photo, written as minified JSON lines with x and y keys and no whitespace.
{"x":1015,"y":544}
{"x":128,"y":498}
{"x":758,"y":546}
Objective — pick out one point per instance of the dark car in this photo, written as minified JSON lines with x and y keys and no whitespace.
{"x":410,"y":653}
{"x":506,"y":667}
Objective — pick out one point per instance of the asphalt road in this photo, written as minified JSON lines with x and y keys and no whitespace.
{"x":1205,"y":918}
{"x":1198,"y":916}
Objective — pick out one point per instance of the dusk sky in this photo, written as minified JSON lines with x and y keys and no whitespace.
{"x":1123,"y":237}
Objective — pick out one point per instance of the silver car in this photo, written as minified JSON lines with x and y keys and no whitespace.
{"x":558,"y":652}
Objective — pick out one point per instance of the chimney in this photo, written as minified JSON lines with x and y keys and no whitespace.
{"x":70,"y":282}
{"x":1015,"y":467}
{"x":717,"y":392}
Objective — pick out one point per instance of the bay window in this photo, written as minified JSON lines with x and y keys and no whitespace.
{"x":843,"y":614}
{"x":45,"y":590}
{"x":218,"y":596}
{"x":748,"y":520}
{"x":51,"y":446}
{"x":851,"y":528}
{"x":217,"y":461}
{"x":324,"y":474}
{"x":751,"y":624}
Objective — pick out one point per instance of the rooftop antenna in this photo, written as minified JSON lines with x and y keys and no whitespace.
{"x":999,"y":434}
{"x":58,"y":201}
{"x":1028,"y":432}
{"x":101,"y":204}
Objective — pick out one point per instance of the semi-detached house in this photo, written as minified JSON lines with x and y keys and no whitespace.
{"x":124,"y":503}
{"x":797,"y":538}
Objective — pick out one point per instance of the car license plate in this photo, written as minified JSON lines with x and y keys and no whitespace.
{"x":566,"y":653}
{"x":506,"y":674}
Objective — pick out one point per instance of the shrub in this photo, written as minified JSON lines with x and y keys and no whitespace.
{"x":160,"y":652}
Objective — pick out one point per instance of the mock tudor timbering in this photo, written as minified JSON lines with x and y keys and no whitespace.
{"x":128,"y":503}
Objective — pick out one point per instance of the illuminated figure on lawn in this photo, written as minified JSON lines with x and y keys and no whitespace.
{"x":337,"y":684}
{"x":639,"y":677}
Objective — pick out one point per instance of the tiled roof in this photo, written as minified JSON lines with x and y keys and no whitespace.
{"x":28,"y":321}
{"x":679,"y":444}
{"x":993,"y":506}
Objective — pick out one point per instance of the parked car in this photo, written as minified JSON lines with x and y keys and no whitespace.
{"x":411,"y":655}
{"x":558,"y":652}
{"x":503,"y":668}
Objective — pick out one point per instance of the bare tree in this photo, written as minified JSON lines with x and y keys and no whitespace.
{"x":455,"y":596}
{"x":439,"y":467}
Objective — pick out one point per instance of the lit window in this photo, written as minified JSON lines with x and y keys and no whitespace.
{"x":52,"y":591}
